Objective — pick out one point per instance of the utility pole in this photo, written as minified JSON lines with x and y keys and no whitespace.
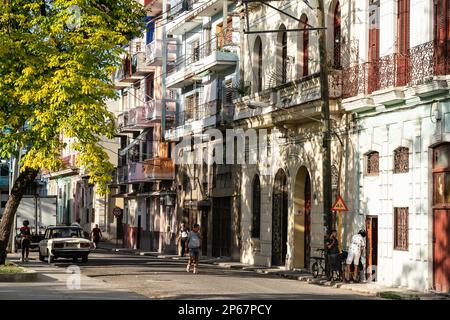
{"x":324,"y":90}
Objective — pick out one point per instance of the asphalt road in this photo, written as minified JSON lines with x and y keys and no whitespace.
{"x":158,"y":278}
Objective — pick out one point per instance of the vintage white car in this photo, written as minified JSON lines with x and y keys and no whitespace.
{"x":64,"y":242}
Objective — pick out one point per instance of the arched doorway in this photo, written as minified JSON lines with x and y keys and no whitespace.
{"x":302,"y":219}
{"x":279,"y":219}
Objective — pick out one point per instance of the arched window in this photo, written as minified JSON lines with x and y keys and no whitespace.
{"x":256,"y":209}
{"x":372,"y":163}
{"x":304,"y":59}
{"x":441,"y":35}
{"x":258,"y":64}
{"x":337,"y":36}
{"x":284,"y":58}
{"x":401,"y":160}
{"x":282,"y":61}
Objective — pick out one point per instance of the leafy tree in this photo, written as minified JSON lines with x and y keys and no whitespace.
{"x":56,"y":61}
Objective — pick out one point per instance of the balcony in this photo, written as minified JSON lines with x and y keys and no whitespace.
{"x":124,"y":76}
{"x":194,"y":120}
{"x":186,"y":17}
{"x":289,"y":95}
{"x":216,"y":55}
{"x":153,"y":7}
{"x":137,"y":118}
{"x":422,"y":68}
{"x":159,"y":169}
{"x":210,"y":8}
{"x":139,"y":67}
{"x":153,"y":111}
{"x":136,"y":172}
{"x":123,"y":122}
{"x":154,"y":55}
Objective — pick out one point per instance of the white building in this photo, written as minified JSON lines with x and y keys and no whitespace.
{"x":398,"y":91}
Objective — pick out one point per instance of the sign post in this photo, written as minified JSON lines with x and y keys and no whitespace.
{"x":338,"y":207}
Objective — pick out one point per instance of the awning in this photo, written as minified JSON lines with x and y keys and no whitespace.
{"x":134,"y":142}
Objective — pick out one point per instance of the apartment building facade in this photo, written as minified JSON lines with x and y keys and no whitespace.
{"x":143,"y":189}
{"x":282,"y":199}
{"x":205,"y":76}
{"x":397,"y":90}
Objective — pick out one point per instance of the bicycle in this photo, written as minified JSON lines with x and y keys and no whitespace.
{"x":318,"y":267}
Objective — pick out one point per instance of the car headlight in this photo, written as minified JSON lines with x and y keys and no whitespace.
{"x":58,"y":245}
{"x":85,"y":245}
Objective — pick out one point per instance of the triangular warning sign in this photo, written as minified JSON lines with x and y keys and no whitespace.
{"x":339,"y":205}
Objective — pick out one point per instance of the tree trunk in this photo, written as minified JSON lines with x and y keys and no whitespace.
{"x":23,"y":181}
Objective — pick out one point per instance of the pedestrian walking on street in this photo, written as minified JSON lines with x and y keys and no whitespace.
{"x":96,"y":235}
{"x":183,"y":237}
{"x":355,"y":252}
{"x":194,"y":244}
{"x":25,"y":236}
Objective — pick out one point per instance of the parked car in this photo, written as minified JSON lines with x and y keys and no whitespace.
{"x":64,"y":242}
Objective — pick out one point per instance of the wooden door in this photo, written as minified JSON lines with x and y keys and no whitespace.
{"x":221,"y":233}
{"x":279,"y":219}
{"x":204,"y":231}
{"x":371,"y":246}
{"x":441,"y":249}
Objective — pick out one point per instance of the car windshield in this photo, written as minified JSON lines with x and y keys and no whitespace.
{"x":65,"y":233}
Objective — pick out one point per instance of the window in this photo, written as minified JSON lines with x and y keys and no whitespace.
{"x":401,"y":229}
{"x":256,"y":202}
{"x":441,"y":35}
{"x":258,"y":63}
{"x":401,"y":160}
{"x":402,"y":41}
{"x":372,"y":163}
{"x":190,"y":104}
{"x":195,"y":51}
{"x":441,"y":175}
{"x":284,"y":58}
{"x":3,"y":204}
{"x":4,"y":171}
{"x":281,"y":56}
{"x":305,"y":47}
{"x":224,"y":37}
{"x":374,"y":43}
{"x":337,"y":36}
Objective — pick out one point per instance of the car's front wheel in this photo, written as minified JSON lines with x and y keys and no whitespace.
{"x":84,"y":258}
{"x":41,"y":257}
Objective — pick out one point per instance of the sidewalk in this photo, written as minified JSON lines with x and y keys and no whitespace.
{"x":299,"y":275}
{"x":55,"y":283}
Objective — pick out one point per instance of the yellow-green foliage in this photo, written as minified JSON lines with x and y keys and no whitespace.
{"x":55,"y":75}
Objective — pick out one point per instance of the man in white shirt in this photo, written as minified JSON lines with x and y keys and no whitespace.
{"x":356,"y":250}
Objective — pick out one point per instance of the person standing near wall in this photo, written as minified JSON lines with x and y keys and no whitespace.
{"x":183,"y":237}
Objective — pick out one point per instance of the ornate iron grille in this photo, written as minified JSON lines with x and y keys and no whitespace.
{"x":401,"y":160}
{"x":401,"y":229}
{"x":373,"y":163}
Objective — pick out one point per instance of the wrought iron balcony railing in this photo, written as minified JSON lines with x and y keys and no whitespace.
{"x":417,"y":67}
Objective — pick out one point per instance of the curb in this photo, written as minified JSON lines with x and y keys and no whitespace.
{"x":264,"y":271}
{"x":27,"y":276}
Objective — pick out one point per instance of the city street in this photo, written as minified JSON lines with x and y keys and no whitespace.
{"x":157,"y":278}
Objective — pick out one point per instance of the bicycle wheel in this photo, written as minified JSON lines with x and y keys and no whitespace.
{"x":315,"y":269}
